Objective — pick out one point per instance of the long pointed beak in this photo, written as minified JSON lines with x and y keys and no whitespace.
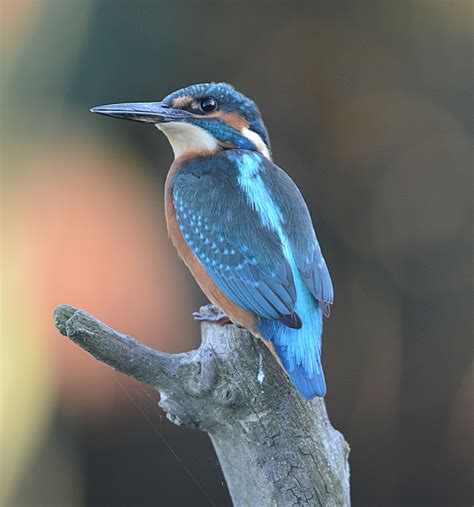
{"x":148,"y":112}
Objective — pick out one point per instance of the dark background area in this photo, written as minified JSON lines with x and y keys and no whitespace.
{"x":369,"y":109}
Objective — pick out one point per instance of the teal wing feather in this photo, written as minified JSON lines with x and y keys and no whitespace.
{"x":244,"y":258}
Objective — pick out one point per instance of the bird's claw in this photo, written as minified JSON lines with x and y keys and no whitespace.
{"x":210,"y":313}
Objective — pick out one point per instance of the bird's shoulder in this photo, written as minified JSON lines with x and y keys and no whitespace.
{"x":223,"y":165}
{"x":230,"y":171}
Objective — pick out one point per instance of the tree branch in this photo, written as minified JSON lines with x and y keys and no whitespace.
{"x":274,"y":447}
{"x":121,"y":352}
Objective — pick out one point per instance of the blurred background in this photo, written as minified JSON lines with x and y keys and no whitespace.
{"x":368,"y":104}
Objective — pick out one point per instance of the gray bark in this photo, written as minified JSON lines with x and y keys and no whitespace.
{"x":275,"y":448}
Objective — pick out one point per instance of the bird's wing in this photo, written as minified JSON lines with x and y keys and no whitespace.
{"x":244,"y":258}
{"x":299,"y":229}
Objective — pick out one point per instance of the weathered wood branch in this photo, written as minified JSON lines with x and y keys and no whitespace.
{"x":275,"y":448}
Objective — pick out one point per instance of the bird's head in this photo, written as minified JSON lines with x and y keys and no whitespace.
{"x":201,"y":118}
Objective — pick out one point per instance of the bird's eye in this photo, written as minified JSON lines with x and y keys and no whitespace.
{"x":208,"y":104}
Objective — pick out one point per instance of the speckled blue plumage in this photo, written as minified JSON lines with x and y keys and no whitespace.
{"x":248,"y":224}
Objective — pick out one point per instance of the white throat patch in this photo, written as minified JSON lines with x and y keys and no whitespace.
{"x":185,"y":138}
{"x":257,"y":140}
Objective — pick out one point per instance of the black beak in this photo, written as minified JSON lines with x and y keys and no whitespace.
{"x":148,"y":112}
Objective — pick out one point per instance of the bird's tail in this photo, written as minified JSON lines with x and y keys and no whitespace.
{"x":299,"y":349}
{"x":308,"y":386}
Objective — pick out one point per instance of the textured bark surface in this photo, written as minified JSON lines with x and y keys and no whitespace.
{"x":274,"y":447}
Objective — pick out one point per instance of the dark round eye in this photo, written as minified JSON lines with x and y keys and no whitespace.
{"x":208,"y":104}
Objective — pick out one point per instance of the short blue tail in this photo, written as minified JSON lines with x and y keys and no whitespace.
{"x":299,"y":351}
{"x":308,"y":386}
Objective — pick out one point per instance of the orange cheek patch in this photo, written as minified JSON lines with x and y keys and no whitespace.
{"x":182,"y":102}
{"x":234,"y":120}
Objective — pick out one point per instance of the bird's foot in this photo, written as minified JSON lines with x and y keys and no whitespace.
{"x":210,"y":313}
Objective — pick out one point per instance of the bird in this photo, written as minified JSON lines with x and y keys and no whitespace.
{"x":240,"y":223}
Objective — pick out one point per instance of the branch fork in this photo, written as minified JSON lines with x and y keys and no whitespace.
{"x":274,"y":447}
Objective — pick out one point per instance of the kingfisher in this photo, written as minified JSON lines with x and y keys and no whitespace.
{"x":240,"y":223}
